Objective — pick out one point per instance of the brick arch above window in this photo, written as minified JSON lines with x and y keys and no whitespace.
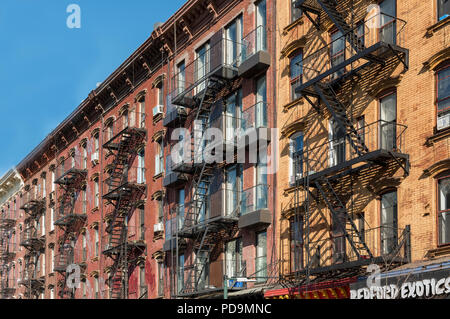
{"x":158,"y":135}
{"x":438,"y":59}
{"x":140,"y":95}
{"x":124,"y":109}
{"x":158,"y":80}
{"x":292,"y":47}
{"x":110,"y":120}
{"x":437,"y":169}
{"x":95,"y":131}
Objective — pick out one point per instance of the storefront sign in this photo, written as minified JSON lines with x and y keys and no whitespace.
{"x":404,"y":286}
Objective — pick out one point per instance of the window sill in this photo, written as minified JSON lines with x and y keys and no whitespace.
{"x":437,"y":136}
{"x":440,"y":251}
{"x":158,"y":176}
{"x":438,"y":25}
{"x":294,"y":103}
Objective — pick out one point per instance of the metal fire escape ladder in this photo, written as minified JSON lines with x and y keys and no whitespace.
{"x":329,"y":6}
{"x":336,"y":206}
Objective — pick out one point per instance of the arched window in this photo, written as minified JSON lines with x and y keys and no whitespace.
{"x":443,"y":95}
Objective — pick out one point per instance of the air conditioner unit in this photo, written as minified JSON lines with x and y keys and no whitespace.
{"x":159,"y":109}
{"x":158,"y":228}
{"x":443,"y":121}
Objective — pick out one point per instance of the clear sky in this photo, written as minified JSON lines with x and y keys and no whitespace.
{"x":47,"y":69}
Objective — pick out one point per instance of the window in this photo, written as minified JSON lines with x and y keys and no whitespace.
{"x":96,"y":287}
{"x":261,"y":194}
{"x":296,"y":243}
{"x":141,"y":167}
{"x":233,"y":259}
{"x":44,"y":190}
{"x":388,"y":121}
{"x":295,"y":157}
{"x":443,"y":9}
{"x":97,"y":240}
{"x":233,"y":38}
{"x":261,"y":24}
{"x":160,"y":210}
{"x":141,"y":115}
{"x":389,"y":222}
{"x":360,"y":224}
{"x":444,"y":208}
{"x":53,"y":181}
{"x":125,"y":119}
{"x":338,"y":222}
{"x":85,"y":157}
{"x":52,"y":219}
{"x":110,"y":130}
{"x":360,"y":32}
{"x":261,"y":102}
{"x":159,"y":157}
{"x":296,"y":74}
{"x":296,"y":13}
{"x":361,"y":128}
{"x":261,"y":256}
{"x":180,"y":212}
{"x":337,"y":52}
{"x":336,"y":137}
{"x":96,"y":193}
{"x":84,"y":247}
{"x":84,"y":204}
{"x":180,"y":277}
{"x":52,"y":259}
{"x":160,"y":93}
{"x":160,"y":279}
{"x":388,"y":32}
{"x":96,"y":154}
{"x":142,"y":222}
{"x":233,"y":184}
{"x":181,"y":77}
{"x":201,"y":66}
{"x":443,"y":96}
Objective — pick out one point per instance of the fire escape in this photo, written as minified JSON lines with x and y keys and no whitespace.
{"x":323,"y":172}
{"x":124,"y":191}
{"x":33,"y":240}
{"x":202,"y":221}
{"x":70,"y":179}
{"x":7,"y":252}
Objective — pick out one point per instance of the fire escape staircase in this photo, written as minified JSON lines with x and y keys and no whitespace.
{"x":124,"y":195}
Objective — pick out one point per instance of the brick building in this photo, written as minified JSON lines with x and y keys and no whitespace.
{"x":360,"y":100}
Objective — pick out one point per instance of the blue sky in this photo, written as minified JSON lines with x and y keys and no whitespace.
{"x":47,"y":69}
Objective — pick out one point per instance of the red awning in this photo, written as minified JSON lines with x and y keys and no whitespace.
{"x":337,"y":289}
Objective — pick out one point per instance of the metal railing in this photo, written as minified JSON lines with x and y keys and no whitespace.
{"x":128,"y":120}
{"x":387,"y":242}
{"x":32,"y":197}
{"x":235,"y":268}
{"x":71,"y":164}
{"x":8,"y":214}
{"x":131,"y":175}
{"x":253,"y":42}
{"x":378,"y":28}
{"x":67,"y":257}
{"x":73,"y":207}
{"x":380,"y":135}
{"x":132,"y":236}
{"x":30,"y":234}
{"x":191,"y":80}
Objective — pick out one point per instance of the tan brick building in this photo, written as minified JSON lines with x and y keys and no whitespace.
{"x":362,"y":94}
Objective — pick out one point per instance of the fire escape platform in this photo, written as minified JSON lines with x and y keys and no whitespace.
{"x":378,"y":157}
{"x":33,"y":243}
{"x":7,"y":223}
{"x":124,"y":190}
{"x":351,"y":267}
{"x":175,"y":117}
{"x":68,"y":177}
{"x":69,"y":219}
{"x":208,"y":291}
{"x":215,"y":224}
{"x":111,"y":145}
{"x":131,"y":245}
{"x":33,"y":283}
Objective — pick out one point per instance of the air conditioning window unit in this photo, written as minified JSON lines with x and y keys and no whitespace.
{"x":159,"y":109}
{"x":443,"y":121}
{"x":158,"y":227}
